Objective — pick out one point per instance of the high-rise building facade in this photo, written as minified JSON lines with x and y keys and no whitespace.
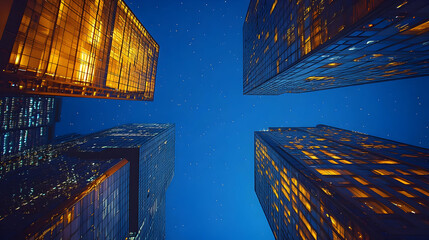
{"x":106,"y":185}
{"x":328,"y":183}
{"x":150,"y":150}
{"x":300,"y":46}
{"x":76,"y":48}
{"x":26,"y":122}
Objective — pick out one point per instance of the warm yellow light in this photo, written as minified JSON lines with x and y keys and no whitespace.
{"x":359,"y":58}
{"x":275,"y":191}
{"x":377,"y":207}
{"x":346,"y":162}
{"x":275,"y":35}
{"x":403,"y":181}
{"x":307,"y":224}
{"x":387,"y":162}
{"x":407,"y":194}
{"x":357,"y":192}
{"x":422,"y":191}
{"x":382,"y":172}
{"x":316,"y":78}
{"x":419,"y":171}
{"x":331,"y":65}
{"x":405,"y":207}
{"x":402,"y":4}
{"x":337,"y":226}
{"x":403,"y":172}
{"x":327,"y":191}
{"x":273,"y":6}
{"x":361,"y":180}
{"x":328,"y":172}
{"x":310,"y":155}
{"x":330,"y":154}
{"x":417,"y":30}
{"x":380,"y":192}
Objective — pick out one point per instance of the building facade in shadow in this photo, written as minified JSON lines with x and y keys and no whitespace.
{"x":106,"y":185}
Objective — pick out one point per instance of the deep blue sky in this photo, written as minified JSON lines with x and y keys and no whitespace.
{"x":199,"y":88}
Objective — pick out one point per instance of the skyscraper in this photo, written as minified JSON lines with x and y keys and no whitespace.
{"x":329,"y":183}
{"x":300,"y":46}
{"x":76,"y":48}
{"x":109,"y":184}
{"x":26,"y":122}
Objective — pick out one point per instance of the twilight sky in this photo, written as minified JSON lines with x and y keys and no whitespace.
{"x":199,"y":88}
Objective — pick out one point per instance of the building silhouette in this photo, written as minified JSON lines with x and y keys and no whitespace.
{"x":328,"y":183}
{"x":26,"y":122}
{"x":106,"y":185}
{"x":76,"y":48}
{"x":301,"y":46}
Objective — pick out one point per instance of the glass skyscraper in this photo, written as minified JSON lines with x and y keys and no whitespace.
{"x":300,"y":46}
{"x":76,"y":48}
{"x":328,"y":183}
{"x":106,"y":185}
{"x":26,"y":122}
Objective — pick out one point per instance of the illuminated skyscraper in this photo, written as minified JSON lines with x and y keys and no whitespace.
{"x":76,"y":48}
{"x":106,"y":185}
{"x":300,"y":46}
{"x":26,"y":122}
{"x":329,"y":183}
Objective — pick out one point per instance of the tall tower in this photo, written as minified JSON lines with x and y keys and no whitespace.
{"x":76,"y":48}
{"x":329,"y":183}
{"x":109,"y":184}
{"x":300,"y":46}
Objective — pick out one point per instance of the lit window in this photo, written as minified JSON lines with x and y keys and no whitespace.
{"x":382,"y":172}
{"x":310,"y":155}
{"x":337,"y":226}
{"x":361,"y":180}
{"x":377,"y":207}
{"x":405,"y":207}
{"x":407,"y":194}
{"x":315,"y":78}
{"x":420,"y":29}
{"x":403,"y":181}
{"x":422,"y":191}
{"x":346,"y":162}
{"x":328,"y":172}
{"x":327,"y":191}
{"x":332,"y":65}
{"x":402,"y":172}
{"x":419,"y":172}
{"x":330,"y":154}
{"x":307,"y":224}
{"x":386,"y":162}
{"x":333,"y":172}
{"x":380,"y":192}
{"x":358,"y":192}
{"x":273,"y":6}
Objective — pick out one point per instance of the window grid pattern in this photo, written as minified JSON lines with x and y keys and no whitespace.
{"x":94,"y":48}
{"x":100,"y":214}
{"x":26,"y":122}
{"x":54,"y":194}
{"x":156,"y":173}
{"x":314,"y":186}
{"x":92,"y":176}
{"x":155,"y":145}
{"x":300,"y":46}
